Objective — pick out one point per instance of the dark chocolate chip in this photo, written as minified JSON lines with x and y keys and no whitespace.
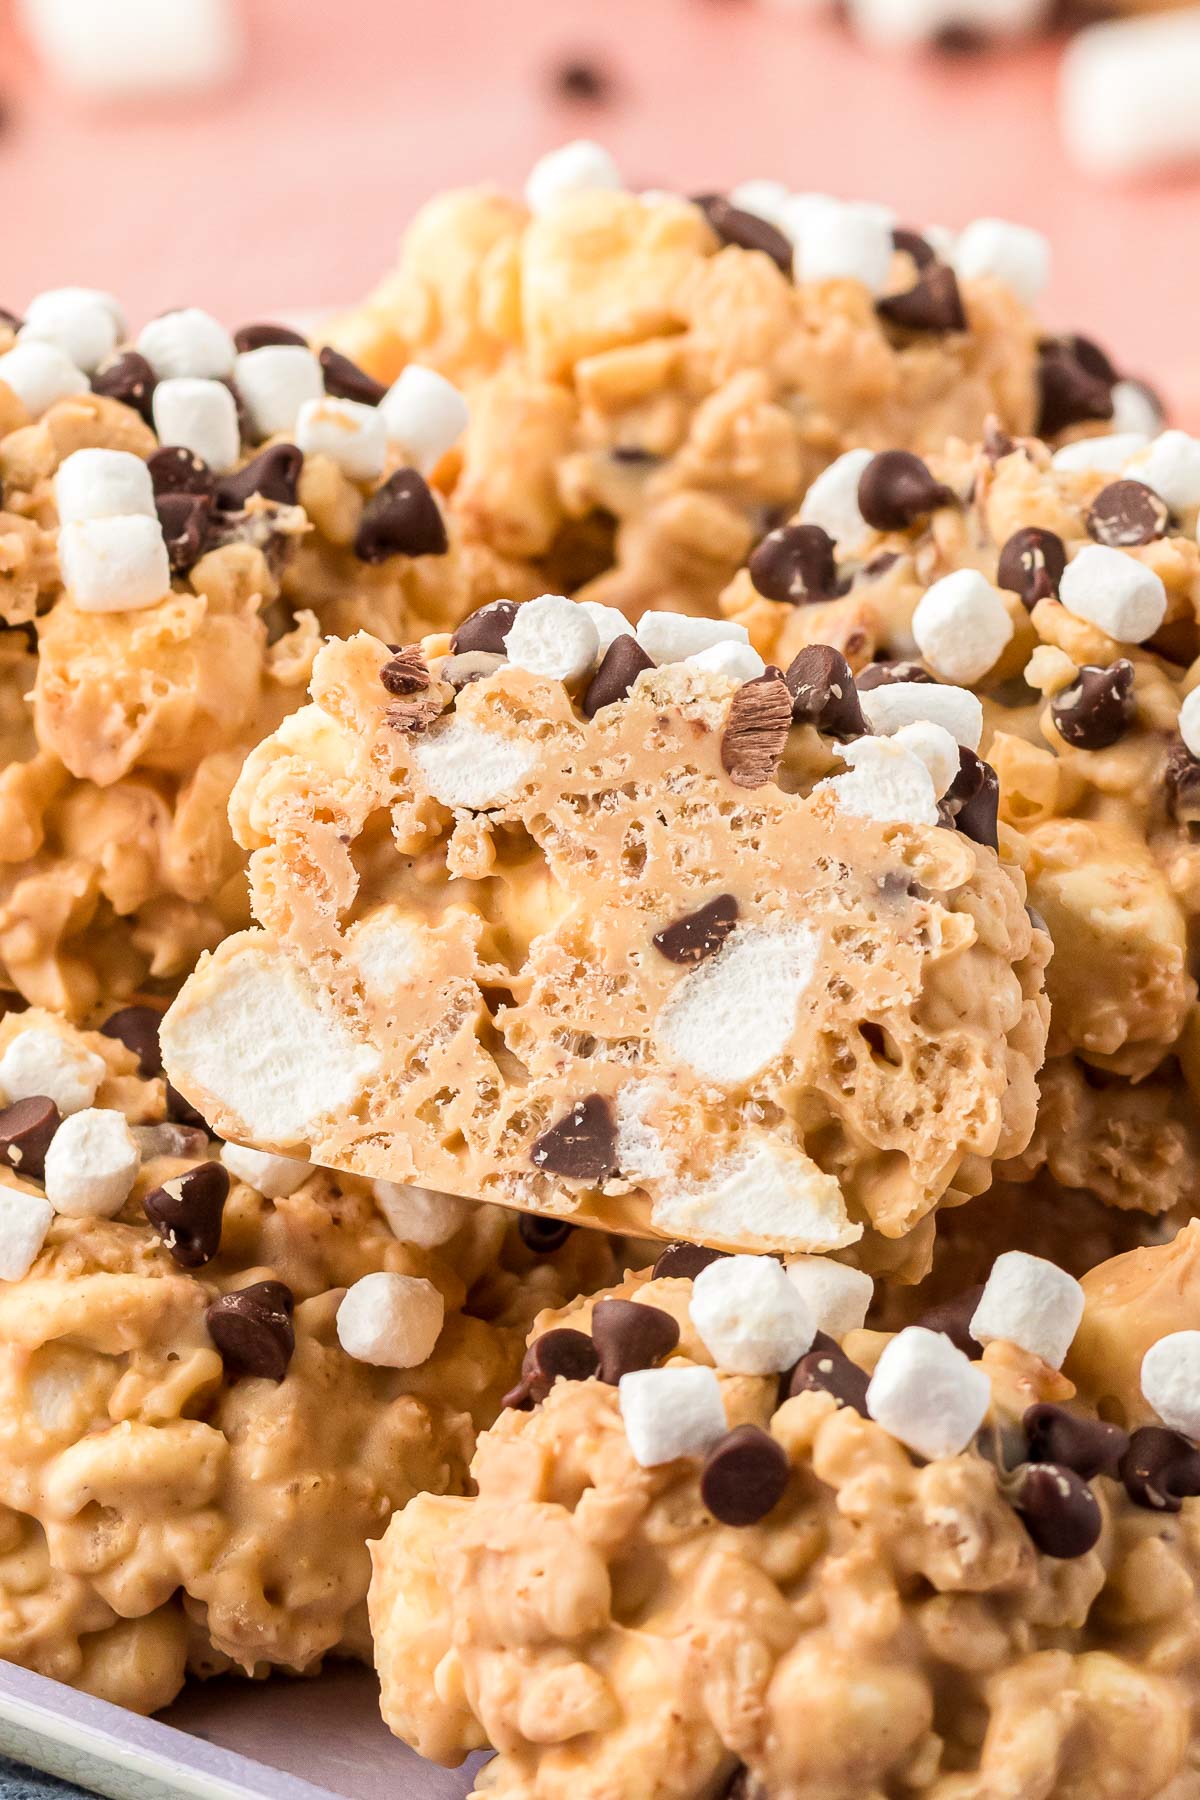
{"x":1160,"y":1469}
{"x":882,"y":674}
{"x":559,"y":1355}
{"x":796,"y":564}
{"x":583,"y":79}
{"x":583,"y":1145}
{"x":628,"y":1337}
{"x":1097,"y":708}
{"x":824,"y":693}
{"x":632,"y":453}
{"x":744,"y":1477}
{"x":274,"y":474}
{"x":130,"y":379}
{"x":1096,"y":361}
{"x":1181,"y":776}
{"x":896,"y":489}
{"x":137,"y":1028}
{"x":185,"y":521}
{"x":756,"y":730}
{"x":180,"y":1111}
{"x":406,"y":673}
{"x":880,"y":564}
{"x":253,"y":1330}
{"x":620,"y":666}
{"x":699,"y":934}
{"x":543,"y":1236}
{"x":186,"y":1212}
{"x":685,"y":1261}
{"x":1088,"y":1446}
{"x":346,"y":381}
{"x":972,"y":800}
{"x":473,"y":665}
{"x":1072,"y":388}
{"x":997,"y":443}
{"x":830,"y":1371}
{"x":26,"y":1128}
{"x":1126,"y":513}
{"x":914,"y":245}
{"x":401,"y":518}
{"x":1059,"y":1510}
{"x":953,"y":1319}
{"x":1032,"y":564}
{"x":174,"y":470}
{"x":933,"y":303}
{"x":486,"y":629}
{"x":746,"y":230}
{"x":257,"y":337}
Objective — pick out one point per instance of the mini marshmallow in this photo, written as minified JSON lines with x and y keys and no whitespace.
{"x":38,"y":1062}
{"x":116,"y":49}
{"x":734,"y":1015}
{"x":1171,"y":466}
{"x":1107,"y":455}
{"x":741,"y":662}
{"x":465,"y":766}
{"x":671,"y":1412}
{"x":576,"y":168}
{"x":832,"y":501}
{"x":84,"y":323}
{"x":837,"y":1297}
{"x":610,"y":624}
{"x":419,"y":1215}
{"x":669,"y":637}
{"x":1013,"y":254}
{"x":765,"y":199}
{"x":552,"y":636}
{"x":274,"y":382}
{"x":102,"y":484}
{"x":937,"y":749}
{"x":1029,"y":1302}
{"x":24,"y":1221}
{"x":1115,"y":592}
{"x":844,"y":242}
{"x":1135,"y":410}
{"x":188,"y":343}
{"x":927,"y":1393}
{"x":962,"y":625}
{"x":1127,"y":94}
{"x":352,"y":435}
{"x":1171,"y":1380}
{"x":1189,"y":721}
{"x":424,"y":414}
{"x":750,"y":1318}
{"x":91,"y":1164}
{"x":40,"y":376}
{"x":885,"y":782}
{"x":114,"y":565}
{"x":391,"y":1320}
{"x":275,"y":1177}
{"x":889,"y":708}
{"x":201,"y":416}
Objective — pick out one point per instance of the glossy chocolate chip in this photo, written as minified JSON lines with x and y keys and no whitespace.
{"x":933,"y":303}
{"x":824,"y":694}
{"x":1072,"y":386}
{"x":1058,"y":1508}
{"x":1098,"y":707}
{"x":543,"y":1236}
{"x":559,"y":1355}
{"x":486,"y":629}
{"x":1089,"y":355}
{"x":26,"y":1128}
{"x":137,"y":1028}
{"x":185,"y":520}
{"x":181,"y":1111}
{"x":1181,"y":778}
{"x":972,"y":801}
{"x":1088,"y":1446}
{"x":274,"y":474}
{"x":253,"y":1330}
{"x":830,"y":1371}
{"x":130,"y":379}
{"x":583,"y":1145}
{"x":406,"y":673}
{"x":258,"y":336}
{"x":401,"y":518}
{"x":1031,"y":565}
{"x":1125,"y":514}
{"x":896,"y":489}
{"x":622,"y":663}
{"x":953,"y":1319}
{"x":186,"y":1211}
{"x":756,"y":730}
{"x":1160,"y":1469}
{"x":346,"y":381}
{"x":629,"y":1336}
{"x":744,"y":1476}
{"x":881,"y":674}
{"x":174,"y":470}
{"x":699,"y":934}
{"x":795,"y":564}
{"x":745,"y":230}
{"x":684,"y":1261}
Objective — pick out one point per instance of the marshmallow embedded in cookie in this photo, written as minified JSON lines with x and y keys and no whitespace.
{"x":40,"y":375}
{"x":424,"y":414}
{"x":83,"y":323}
{"x":392,"y":1320}
{"x":91,"y":1164}
{"x":274,"y":382}
{"x":1029,"y":1302}
{"x":927,"y":1393}
{"x":671,"y":1412}
{"x":1013,"y":254}
{"x":273,"y":1176}
{"x":1114,"y":591}
{"x":40,"y":1061}
{"x":576,"y":168}
{"x":351,"y":434}
{"x":200,"y":415}
{"x":750,"y":1318}
{"x":962,"y":626}
{"x":24,"y":1221}
{"x":418,"y":1215}
{"x":188,"y":343}
{"x":102,"y":484}
{"x":837,"y":1296}
{"x":114,"y":564}
{"x":553,"y":636}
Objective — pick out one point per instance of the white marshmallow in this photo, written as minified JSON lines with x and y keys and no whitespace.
{"x":832,"y":501}
{"x":610,"y":624}
{"x":885,"y":782}
{"x":114,"y":565}
{"x":24,"y":1221}
{"x":961,"y":626}
{"x":1108,"y":454}
{"x":1135,"y":410}
{"x":419,"y":1215}
{"x":391,"y":1320}
{"x":1189,"y":721}
{"x":118,"y":49}
{"x":274,"y":383}
{"x":40,"y":376}
{"x":188,"y":343}
{"x":1115,"y":592}
{"x":464,"y":766}
{"x":1013,"y":254}
{"x":895,"y":704}
{"x":552,"y":636}
{"x":836,"y":1296}
{"x":275,"y":1177}
{"x":1171,"y":466}
{"x":200,"y":415}
{"x":937,"y":749}
{"x":91,"y":1164}
{"x":927,"y":1393}
{"x":1029,"y":1302}
{"x":102,"y":484}
{"x":82,"y":322}
{"x":741,"y":662}
{"x":770,"y":1196}
{"x":39,"y":1062}
{"x":750,"y":1318}
{"x":765,"y":199}
{"x":1171,"y":1380}
{"x":847,"y":242}
{"x":669,"y":637}
{"x":354,"y":436}
{"x":735,"y":1015}
{"x":1127,"y":94}
{"x":424,"y":414}
{"x":671,"y":1412}
{"x":576,"y":168}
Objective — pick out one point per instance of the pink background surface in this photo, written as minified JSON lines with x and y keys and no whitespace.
{"x":292,"y":188}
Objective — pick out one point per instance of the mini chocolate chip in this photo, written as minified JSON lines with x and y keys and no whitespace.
{"x":1181,"y":777}
{"x":1071,"y":387}
{"x":543,"y":1236}
{"x":175,"y":470}
{"x":253,"y":1330}
{"x":685,"y":1261}
{"x":830,"y":1371}
{"x":257,"y":337}
{"x":186,"y":1212}
{"x":620,"y":666}
{"x":406,"y":673}
{"x":486,"y":629}
{"x":745,"y":230}
{"x":274,"y":474}
{"x":1088,"y":1446}
{"x":953,"y":1319}
{"x":26,"y":1128}
{"x":1096,"y":361}
{"x":744,"y":1477}
{"x":628,"y":1336}
{"x":914,"y":245}
{"x":1097,"y":708}
{"x":559,"y":1355}
{"x":401,"y":518}
{"x":896,"y":489}
{"x":582,"y":78}
{"x":185,"y":521}
{"x":972,"y":800}
{"x":756,"y":730}
{"x":632,"y":453}
{"x":130,"y":379}
{"x":1160,"y":1469}
{"x":699,"y":934}
{"x":881,"y":674}
{"x":346,"y":381}
{"x":137,"y":1028}
{"x":1031,"y":565}
{"x":1126,"y":513}
{"x":1058,"y":1509}
{"x":583,"y":1145}
{"x":824,"y":693}
{"x":997,"y":443}
{"x":473,"y":665}
{"x":880,"y":564}
{"x":933,"y":303}
{"x":796,"y":564}
{"x":182,"y":1112}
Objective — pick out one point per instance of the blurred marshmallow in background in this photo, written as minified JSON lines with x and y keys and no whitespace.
{"x":1129,"y":97}
{"x":136,"y":49}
